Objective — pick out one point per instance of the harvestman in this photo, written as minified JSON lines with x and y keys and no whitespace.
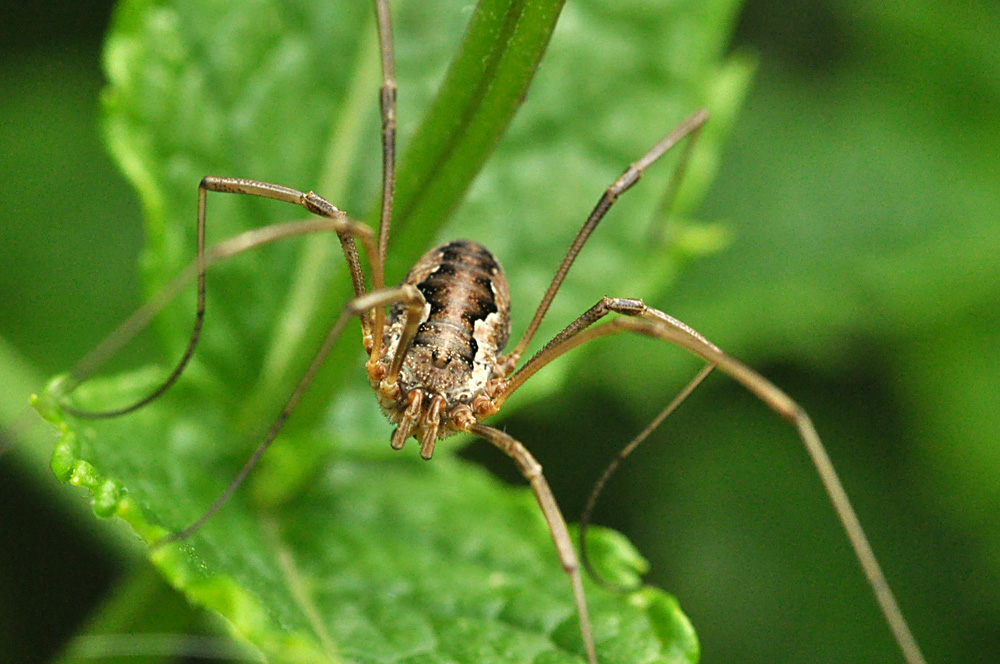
{"x":436,"y":361}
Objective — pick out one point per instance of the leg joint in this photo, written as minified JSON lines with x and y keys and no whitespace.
{"x":320,"y":206}
{"x":625,"y":305}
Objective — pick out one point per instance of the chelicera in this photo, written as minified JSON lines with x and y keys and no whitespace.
{"x":436,"y":342}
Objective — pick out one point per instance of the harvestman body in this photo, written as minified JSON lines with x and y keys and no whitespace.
{"x":436,"y":362}
{"x":450,"y":373}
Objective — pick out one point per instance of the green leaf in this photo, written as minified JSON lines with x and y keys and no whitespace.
{"x":500,"y":51}
{"x":342,"y":548}
{"x":380,"y":556}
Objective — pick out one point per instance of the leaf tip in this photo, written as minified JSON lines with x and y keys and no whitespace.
{"x":614,"y":558}
{"x":672,"y":627}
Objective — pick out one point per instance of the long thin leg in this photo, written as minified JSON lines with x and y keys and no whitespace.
{"x":346,"y":231}
{"x":623,"y":453}
{"x":662,"y":212}
{"x":532,"y":472}
{"x":318,"y":206}
{"x":640,"y":319}
{"x":142,"y":316}
{"x":387,"y":104}
{"x":358,"y":306}
{"x":570,"y":338}
{"x":689,"y":127}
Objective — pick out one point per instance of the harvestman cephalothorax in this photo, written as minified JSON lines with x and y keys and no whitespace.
{"x":435,"y":342}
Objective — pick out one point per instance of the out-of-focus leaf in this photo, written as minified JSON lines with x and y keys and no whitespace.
{"x":145,"y":621}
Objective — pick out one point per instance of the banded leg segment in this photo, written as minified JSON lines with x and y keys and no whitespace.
{"x":346,"y":230}
{"x":532,"y":471}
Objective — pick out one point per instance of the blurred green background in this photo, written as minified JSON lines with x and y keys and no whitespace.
{"x":861,"y":190}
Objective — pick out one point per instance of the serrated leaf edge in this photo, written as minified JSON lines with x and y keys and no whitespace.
{"x":249,"y":619}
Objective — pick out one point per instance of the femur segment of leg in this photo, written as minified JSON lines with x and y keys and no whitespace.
{"x":532,"y":471}
{"x":638,"y":318}
{"x":387,"y":104}
{"x":689,"y":128}
{"x":661,"y":214}
{"x":577,"y":333}
{"x":334,"y":220}
{"x":416,"y":410}
{"x":319,"y":206}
